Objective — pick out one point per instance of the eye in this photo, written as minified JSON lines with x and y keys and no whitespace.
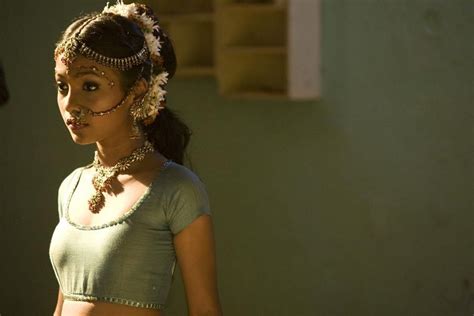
{"x":61,"y":86}
{"x":90,"y":86}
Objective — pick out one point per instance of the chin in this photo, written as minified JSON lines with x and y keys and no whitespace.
{"x":81,"y":140}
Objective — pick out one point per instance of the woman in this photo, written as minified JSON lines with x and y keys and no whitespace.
{"x":128,"y":217}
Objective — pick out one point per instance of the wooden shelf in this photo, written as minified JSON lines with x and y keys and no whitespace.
{"x":266,"y":50}
{"x":250,"y":46}
{"x":190,"y":25}
{"x":240,"y":25}
{"x":163,"y":7}
{"x":187,"y":17}
{"x":260,"y":54}
{"x":259,"y":94}
{"x":254,"y":7}
{"x":251,"y":49}
{"x":196,"y":71}
{"x":246,"y":3}
{"x":243,"y":70}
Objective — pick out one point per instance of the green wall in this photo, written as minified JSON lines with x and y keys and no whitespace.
{"x":359,"y":204}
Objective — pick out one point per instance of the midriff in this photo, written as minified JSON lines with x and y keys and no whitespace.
{"x":79,"y":308}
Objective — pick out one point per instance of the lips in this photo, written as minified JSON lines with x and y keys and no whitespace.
{"x":75,"y":124}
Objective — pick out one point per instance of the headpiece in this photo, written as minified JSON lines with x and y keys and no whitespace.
{"x":154,"y":100}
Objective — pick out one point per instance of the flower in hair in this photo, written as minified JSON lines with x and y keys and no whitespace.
{"x":156,"y":95}
{"x":147,"y":25}
{"x":154,"y":99}
{"x":120,"y":8}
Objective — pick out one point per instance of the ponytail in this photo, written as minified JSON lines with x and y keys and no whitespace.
{"x":169,"y":135}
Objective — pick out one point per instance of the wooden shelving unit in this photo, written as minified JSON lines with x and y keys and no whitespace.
{"x":268,"y":48}
{"x":254,"y":48}
{"x":190,"y":25}
{"x":251,"y":49}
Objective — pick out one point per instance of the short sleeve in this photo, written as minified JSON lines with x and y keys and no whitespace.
{"x":60,"y":200}
{"x":187,"y":201}
{"x":65,"y":189}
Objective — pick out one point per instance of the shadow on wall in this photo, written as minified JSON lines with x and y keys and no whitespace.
{"x":4,"y":96}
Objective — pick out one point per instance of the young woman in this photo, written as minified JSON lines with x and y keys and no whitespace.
{"x":128,"y":217}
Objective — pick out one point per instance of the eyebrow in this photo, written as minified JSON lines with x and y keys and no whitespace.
{"x":80,"y":73}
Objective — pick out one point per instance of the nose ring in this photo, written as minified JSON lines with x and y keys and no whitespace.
{"x":79,"y":115}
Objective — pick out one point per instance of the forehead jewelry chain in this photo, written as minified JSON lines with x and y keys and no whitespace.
{"x":104,"y":175}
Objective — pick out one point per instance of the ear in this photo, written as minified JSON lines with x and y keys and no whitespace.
{"x":140,"y":89}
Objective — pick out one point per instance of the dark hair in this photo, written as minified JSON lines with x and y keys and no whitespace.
{"x":116,"y":36}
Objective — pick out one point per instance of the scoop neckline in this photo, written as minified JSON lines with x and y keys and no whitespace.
{"x":122,"y":217}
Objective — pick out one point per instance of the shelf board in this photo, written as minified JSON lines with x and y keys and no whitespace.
{"x":258,"y":94}
{"x":187,"y":17}
{"x":253,"y":7}
{"x":267,"y":50}
{"x":195,"y":71}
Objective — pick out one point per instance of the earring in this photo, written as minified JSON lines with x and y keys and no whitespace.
{"x":136,"y":131}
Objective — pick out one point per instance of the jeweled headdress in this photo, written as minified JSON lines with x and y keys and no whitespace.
{"x":154,"y":99}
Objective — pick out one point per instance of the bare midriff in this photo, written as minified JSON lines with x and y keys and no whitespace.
{"x":78,"y":308}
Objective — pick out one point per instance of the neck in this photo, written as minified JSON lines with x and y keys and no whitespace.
{"x":109,"y":154}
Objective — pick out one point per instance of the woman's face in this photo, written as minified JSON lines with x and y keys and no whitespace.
{"x":89,"y":86}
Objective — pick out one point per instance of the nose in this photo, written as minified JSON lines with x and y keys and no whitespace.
{"x":72,"y":106}
{"x":71,"y":102}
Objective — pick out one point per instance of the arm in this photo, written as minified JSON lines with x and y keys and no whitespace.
{"x":195,"y":252}
{"x":59,"y":304}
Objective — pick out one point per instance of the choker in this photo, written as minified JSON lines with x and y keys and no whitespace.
{"x":104,"y":175}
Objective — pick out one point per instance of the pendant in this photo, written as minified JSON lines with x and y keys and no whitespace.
{"x":96,"y":202}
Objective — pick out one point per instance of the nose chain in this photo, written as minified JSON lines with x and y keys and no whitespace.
{"x":112,"y":109}
{"x":79,"y":116}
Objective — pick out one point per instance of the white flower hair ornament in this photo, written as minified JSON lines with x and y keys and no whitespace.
{"x":154,"y":99}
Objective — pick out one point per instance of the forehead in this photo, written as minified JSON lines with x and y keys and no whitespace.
{"x":83,"y":66}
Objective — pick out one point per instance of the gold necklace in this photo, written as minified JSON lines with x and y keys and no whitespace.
{"x":104,"y":175}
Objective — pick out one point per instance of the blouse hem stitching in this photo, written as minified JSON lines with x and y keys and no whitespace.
{"x":88,"y":298}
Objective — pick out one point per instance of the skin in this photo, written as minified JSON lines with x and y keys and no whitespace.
{"x":195,"y":246}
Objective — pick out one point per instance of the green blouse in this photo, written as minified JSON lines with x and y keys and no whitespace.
{"x":130,"y":260}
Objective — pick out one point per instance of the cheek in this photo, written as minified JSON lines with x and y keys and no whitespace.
{"x":118,"y":122}
{"x":61,"y":105}
{"x":59,"y":102}
{"x":113,"y":121}
{"x":98,"y":102}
